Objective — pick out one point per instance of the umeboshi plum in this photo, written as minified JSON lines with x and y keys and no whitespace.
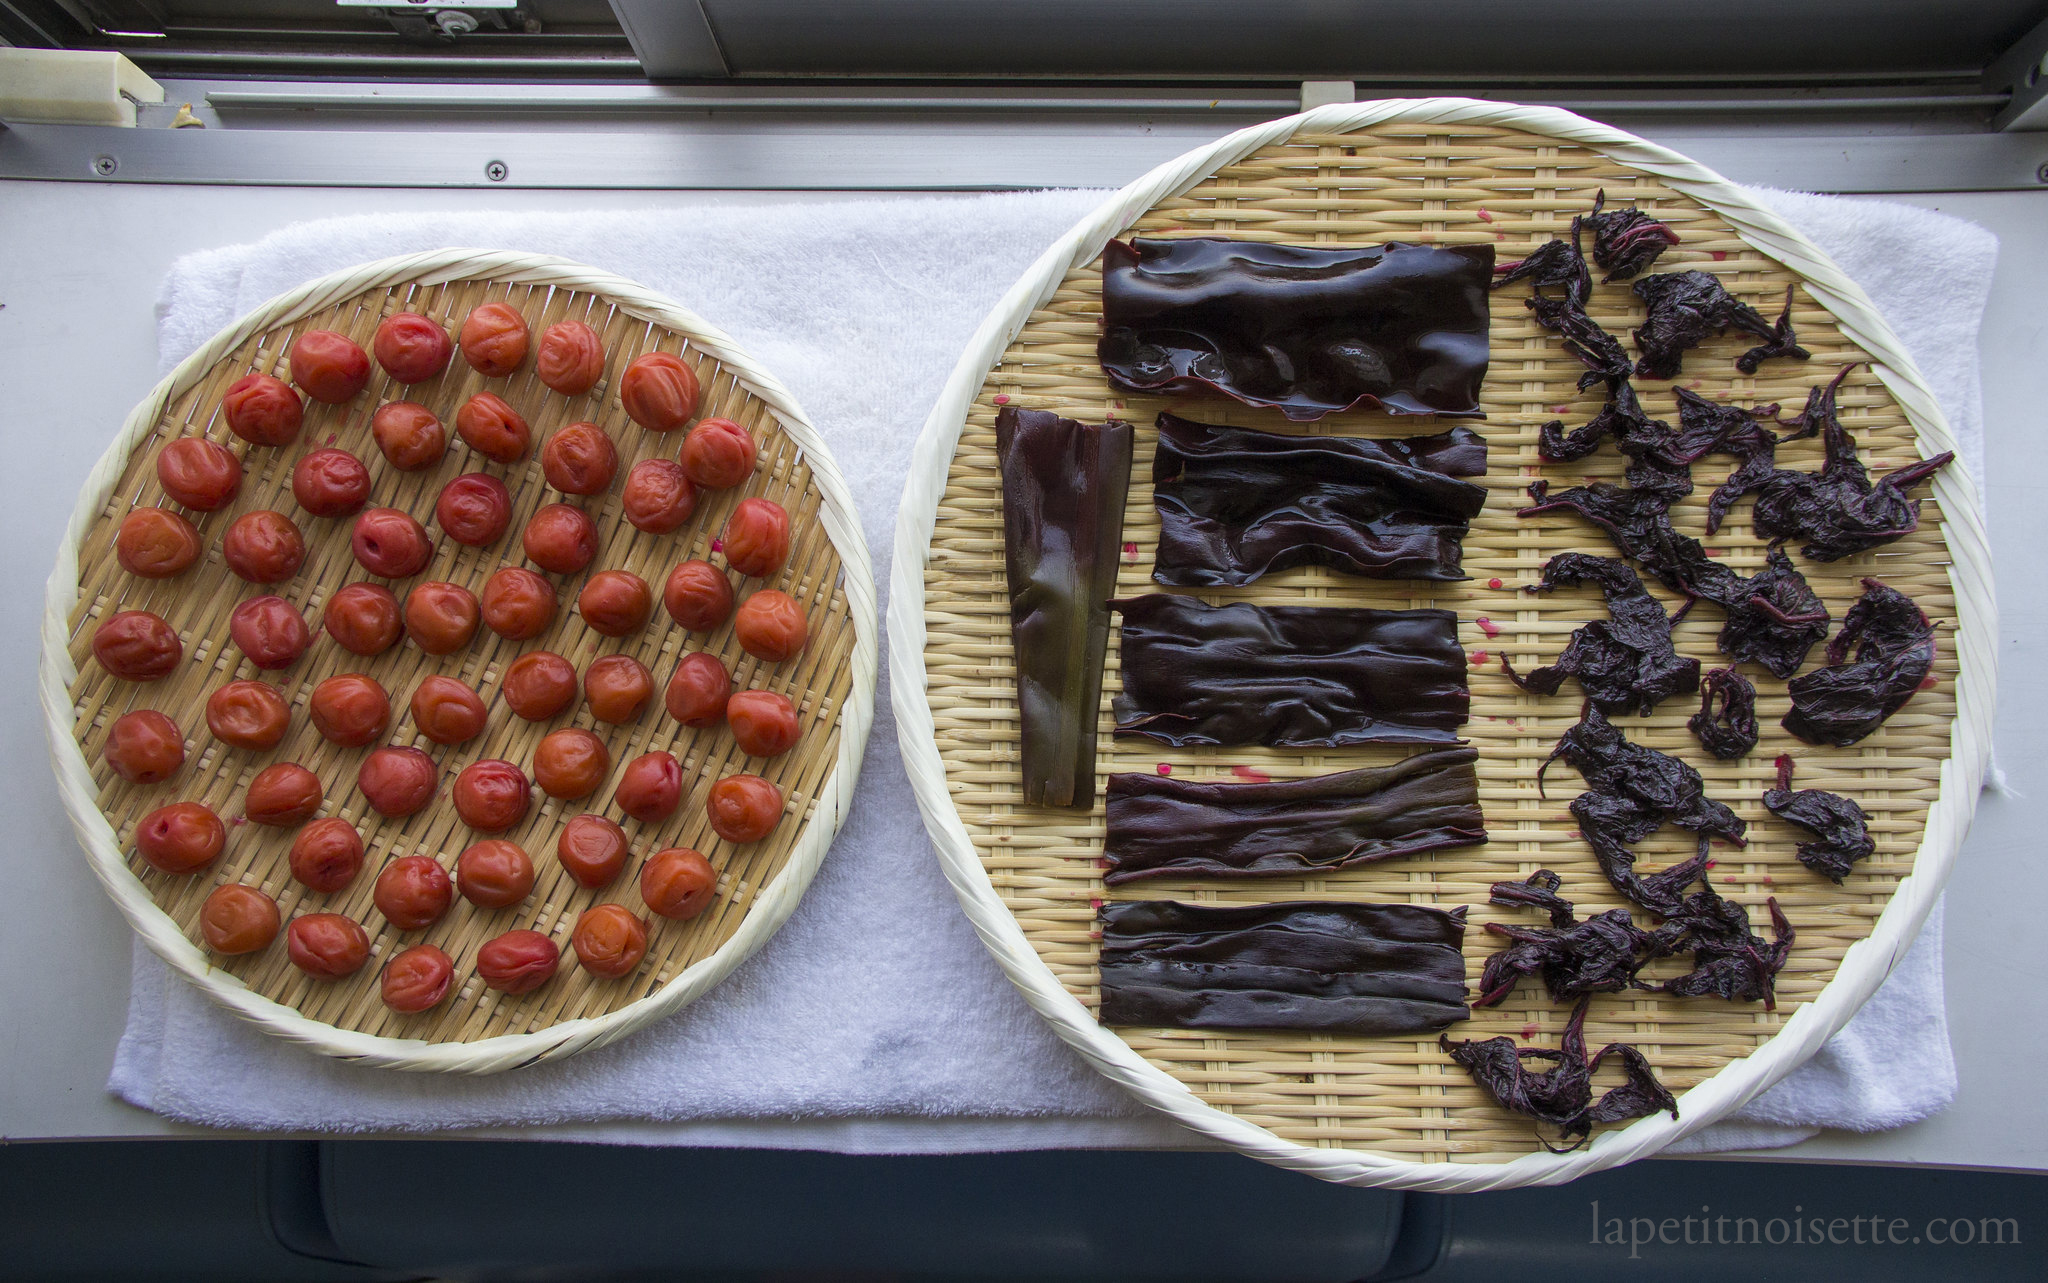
{"x":441,"y":618}
{"x":756,"y":538}
{"x":678,"y":883}
{"x":137,"y":646}
{"x":698,"y":596}
{"x":764,"y":724}
{"x":538,"y":685}
{"x":408,"y":434}
{"x":411,"y":348}
{"x":327,"y":946}
{"x":719,"y":454}
{"x":446,"y":711}
{"x":495,"y":339}
{"x":580,"y":459}
{"x":263,"y":410}
{"x":327,"y":854}
{"x":517,"y":962}
{"x":263,"y":547}
{"x":199,"y":473}
{"x":270,"y":631}
{"x":571,"y":358}
{"x":658,"y":496}
{"x":651,"y":787}
{"x":331,"y":483}
{"x":518,"y":604}
{"x":474,"y":509}
{"x":180,"y":838}
{"x":493,"y":428}
{"x":570,"y":763}
{"x":248,"y":714}
{"x":560,"y":538}
{"x":491,"y":795}
{"x":658,"y":392}
{"x":156,"y":543}
{"x":614,"y":603}
{"x":698,"y":690}
{"x":609,"y":941}
{"x":238,"y":919}
{"x":416,"y":980}
{"x":593,"y":849}
{"x":329,"y":366}
{"x":744,"y":808}
{"x":771,"y":626}
{"x":350,"y":710}
{"x":363,"y":619}
{"x":391,"y":544}
{"x":412,"y":892}
{"x":617,"y":688}
{"x":396,"y":781}
{"x":493,"y":874}
{"x":283,"y":796}
{"x":145,"y":747}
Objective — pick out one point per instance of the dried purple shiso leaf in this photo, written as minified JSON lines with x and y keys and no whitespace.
{"x":1563,"y":1094}
{"x":1728,"y":731}
{"x":1686,"y":308}
{"x":1634,"y":791}
{"x":1624,"y":663}
{"x":1728,"y":960}
{"x":1847,"y":700}
{"x":1560,"y":264}
{"x":1841,"y":827}
{"x":1625,"y":241}
{"x":1772,"y":618}
{"x":1837,"y":511}
{"x":1574,"y":958}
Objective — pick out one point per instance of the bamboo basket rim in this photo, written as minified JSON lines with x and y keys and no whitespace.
{"x":1865,"y":964}
{"x":775,"y":902}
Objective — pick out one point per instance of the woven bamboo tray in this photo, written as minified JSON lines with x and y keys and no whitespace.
{"x":476,"y":1029}
{"x":1393,"y":1111}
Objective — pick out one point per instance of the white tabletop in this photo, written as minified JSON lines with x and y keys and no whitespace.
{"x":78,"y":282}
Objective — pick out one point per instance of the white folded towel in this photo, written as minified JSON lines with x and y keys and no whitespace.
{"x":876,"y":1002}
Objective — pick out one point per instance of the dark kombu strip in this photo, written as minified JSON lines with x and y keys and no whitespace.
{"x":1289,"y":676}
{"x":1562,"y":1095}
{"x":1574,"y":958}
{"x":1837,"y":511}
{"x":1305,"y":330}
{"x":1162,"y":825}
{"x":1772,"y":618}
{"x":1632,"y":792}
{"x":1840,"y":828}
{"x":1335,"y":967}
{"x":1561,"y":265}
{"x":1893,"y":641}
{"x":1625,"y":241}
{"x":1687,"y":308}
{"x":1064,"y":485}
{"x":1726,"y":723}
{"x":1235,"y":504}
{"x":1624,"y":663}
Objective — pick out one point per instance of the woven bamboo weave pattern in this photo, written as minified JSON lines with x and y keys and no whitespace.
{"x":197,"y":603}
{"x":1446,"y":183}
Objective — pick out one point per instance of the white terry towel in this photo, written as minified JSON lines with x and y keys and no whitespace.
{"x":874,"y":1018}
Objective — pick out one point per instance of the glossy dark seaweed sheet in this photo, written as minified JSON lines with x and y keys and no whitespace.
{"x":1337,"y":967}
{"x":1165,"y":826}
{"x":1064,"y":486}
{"x":1305,"y":330}
{"x":1235,"y":504}
{"x":1289,"y":676}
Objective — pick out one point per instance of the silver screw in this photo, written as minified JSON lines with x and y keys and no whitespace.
{"x":496,"y":171}
{"x":2042,"y":173}
{"x":105,"y":166}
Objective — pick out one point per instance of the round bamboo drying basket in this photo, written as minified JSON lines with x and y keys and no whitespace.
{"x":1396,"y":1111}
{"x":476,"y":1029}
